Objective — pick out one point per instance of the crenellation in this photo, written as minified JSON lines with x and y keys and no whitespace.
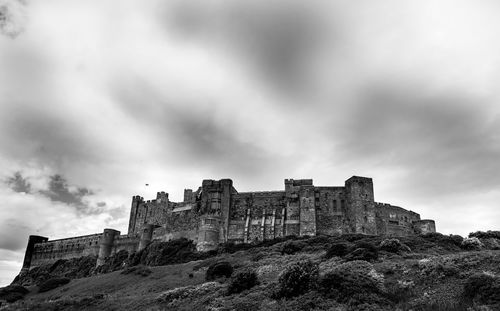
{"x":218,"y":213}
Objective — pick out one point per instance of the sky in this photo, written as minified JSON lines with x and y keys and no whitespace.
{"x":100,"y":98}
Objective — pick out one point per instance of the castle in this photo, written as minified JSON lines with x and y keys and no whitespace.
{"x":217,"y":213}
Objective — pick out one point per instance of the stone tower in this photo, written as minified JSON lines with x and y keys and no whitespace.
{"x":361,"y":206}
{"x":214,"y":210}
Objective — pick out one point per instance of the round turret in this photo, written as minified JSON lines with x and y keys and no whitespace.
{"x":146,"y":236}
{"x":208,"y":233}
{"x":106,"y":243}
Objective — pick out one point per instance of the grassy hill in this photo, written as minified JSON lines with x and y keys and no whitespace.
{"x":349,"y":272}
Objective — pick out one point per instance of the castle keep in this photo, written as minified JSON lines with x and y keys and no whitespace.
{"x":216,"y":212}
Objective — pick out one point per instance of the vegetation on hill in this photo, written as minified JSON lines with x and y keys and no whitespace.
{"x":348,"y":272}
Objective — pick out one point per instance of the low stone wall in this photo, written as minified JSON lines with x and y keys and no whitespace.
{"x":50,"y":251}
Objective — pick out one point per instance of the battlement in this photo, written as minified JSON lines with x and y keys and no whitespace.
{"x":359,"y":179}
{"x":298,"y":182}
{"x":217,"y":213}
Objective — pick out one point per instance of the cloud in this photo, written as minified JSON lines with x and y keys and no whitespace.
{"x":14,"y":235}
{"x":279,"y":41}
{"x":192,"y":132}
{"x":18,"y":183}
{"x":445,"y":142}
{"x":59,"y":191}
{"x":12,"y":17}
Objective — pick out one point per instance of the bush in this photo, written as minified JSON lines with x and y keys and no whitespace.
{"x":352,"y":237}
{"x":472,"y":244}
{"x":297,"y":279}
{"x":13,"y":293}
{"x":219,"y":269}
{"x":483,"y":287}
{"x":363,"y":251}
{"x":309,"y":301}
{"x":52,"y":283}
{"x":138,"y":270}
{"x":399,"y":291}
{"x":242,"y":281}
{"x":485,"y":235}
{"x":185,"y":292}
{"x":167,"y":253}
{"x":491,"y":243}
{"x":231,"y":247}
{"x":259,"y":256}
{"x":292,"y":247}
{"x":355,"y":283}
{"x":450,"y":243}
{"x":393,"y":246}
{"x":339,"y":249}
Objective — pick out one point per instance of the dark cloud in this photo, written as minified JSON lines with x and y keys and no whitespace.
{"x":12,"y":17}
{"x":15,"y":235}
{"x":445,"y":142}
{"x":47,"y":138}
{"x":18,"y":183}
{"x":59,"y":191}
{"x":279,"y":40}
{"x":191,"y":133}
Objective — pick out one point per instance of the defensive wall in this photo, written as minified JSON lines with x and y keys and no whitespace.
{"x":216,"y":212}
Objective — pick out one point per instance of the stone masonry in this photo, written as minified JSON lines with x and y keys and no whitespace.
{"x":216,"y":213}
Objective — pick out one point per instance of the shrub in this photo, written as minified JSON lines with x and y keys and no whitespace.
{"x":292,"y":247}
{"x":52,"y":283}
{"x":242,"y":281}
{"x":472,"y":244}
{"x":483,"y":287}
{"x":491,"y":243}
{"x":399,"y":291}
{"x":297,"y":279}
{"x":188,"y":292}
{"x":339,"y":249}
{"x":167,"y":253}
{"x":354,"y":283}
{"x":13,"y":293}
{"x":363,"y":251}
{"x":450,"y":243}
{"x":219,"y":269}
{"x":231,"y":247}
{"x":259,"y":256}
{"x":352,"y":237}
{"x":309,"y":301}
{"x":485,"y":235}
{"x":138,"y":270}
{"x":393,"y":246}
{"x":456,"y":239}
{"x":318,"y":240}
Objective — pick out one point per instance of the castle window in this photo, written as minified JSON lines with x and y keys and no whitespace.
{"x":342,"y":204}
{"x":334,"y":205}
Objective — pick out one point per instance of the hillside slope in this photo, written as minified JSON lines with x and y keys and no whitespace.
{"x":353,"y":272}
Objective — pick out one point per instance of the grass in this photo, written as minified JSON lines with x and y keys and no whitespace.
{"x":432,"y":277}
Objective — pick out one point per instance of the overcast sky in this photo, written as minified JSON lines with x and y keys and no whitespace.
{"x":98,"y":98}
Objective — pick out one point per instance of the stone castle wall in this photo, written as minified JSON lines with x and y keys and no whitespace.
{"x":87,"y":245}
{"x":218,"y":213}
